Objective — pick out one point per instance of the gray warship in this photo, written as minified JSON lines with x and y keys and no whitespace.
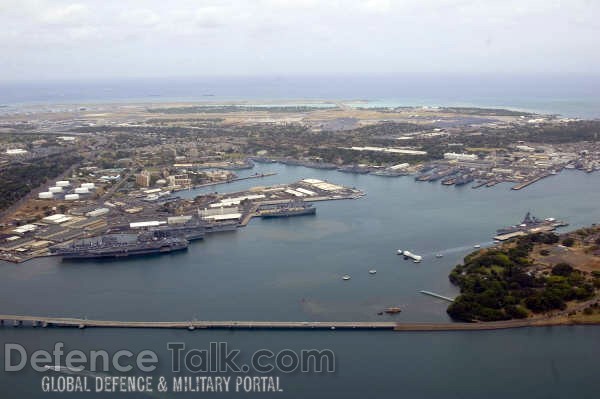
{"x":531,"y":223}
{"x":292,"y":208}
{"x":120,"y":245}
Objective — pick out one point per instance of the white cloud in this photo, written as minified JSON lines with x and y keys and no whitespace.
{"x":211,"y":17}
{"x":379,"y":6}
{"x":65,"y":15}
{"x":296,"y":36}
{"x":295,"y":4}
{"x":140,"y":16}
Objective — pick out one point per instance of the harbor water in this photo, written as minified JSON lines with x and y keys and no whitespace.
{"x":291,"y":269}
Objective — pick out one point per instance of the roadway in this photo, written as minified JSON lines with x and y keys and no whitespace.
{"x":18,"y":320}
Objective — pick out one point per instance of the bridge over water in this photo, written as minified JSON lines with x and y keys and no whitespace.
{"x":45,"y":322}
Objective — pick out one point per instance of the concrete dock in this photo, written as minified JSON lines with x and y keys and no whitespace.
{"x":529,"y":182}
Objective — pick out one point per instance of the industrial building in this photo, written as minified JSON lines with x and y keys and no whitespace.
{"x":459,"y":157}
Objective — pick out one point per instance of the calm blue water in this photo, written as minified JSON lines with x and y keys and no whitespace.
{"x":291,"y":270}
{"x":565,"y":95}
{"x":525,"y":363}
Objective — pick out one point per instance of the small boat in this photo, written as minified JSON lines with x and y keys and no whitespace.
{"x":439,"y":256}
{"x":496,"y":242}
{"x":400,"y":252}
{"x":392,"y":310}
{"x":372,"y":271}
{"x":476,"y":246}
{"x":346,"y":277}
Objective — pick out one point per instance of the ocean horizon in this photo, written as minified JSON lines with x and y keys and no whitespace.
{"x":575,"y":97}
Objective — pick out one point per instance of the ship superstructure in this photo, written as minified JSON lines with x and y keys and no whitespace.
{"x":120,"y":245}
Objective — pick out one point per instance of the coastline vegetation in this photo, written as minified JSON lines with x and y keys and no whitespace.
{"x":507,"y":283}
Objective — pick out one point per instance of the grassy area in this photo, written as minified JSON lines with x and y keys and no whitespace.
{"x":586,"y":319}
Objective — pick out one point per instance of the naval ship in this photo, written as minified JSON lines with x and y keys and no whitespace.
{"x":530,"y":223}
{"x":292,"y":208}
{"x":463,"y":179}
{"x":193,"y":227}
{"x":120,"y":245}
{"x":216,"y":227}
{"x":390,"y":173}
{"x":192,"y":230}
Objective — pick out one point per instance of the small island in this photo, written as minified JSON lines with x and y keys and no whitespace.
{"x":542,"y":275}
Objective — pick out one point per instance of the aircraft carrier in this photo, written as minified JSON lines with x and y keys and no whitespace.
{"x":120,"y":245}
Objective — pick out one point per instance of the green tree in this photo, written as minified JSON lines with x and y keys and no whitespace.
{"x":562,"y":269}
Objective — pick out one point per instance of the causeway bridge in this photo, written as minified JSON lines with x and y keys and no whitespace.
{"x":65,"y":322}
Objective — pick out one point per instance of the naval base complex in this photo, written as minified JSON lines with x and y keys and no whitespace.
{"x":131,"y":226}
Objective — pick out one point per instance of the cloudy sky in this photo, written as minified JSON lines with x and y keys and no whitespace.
{"x":62,"y":39}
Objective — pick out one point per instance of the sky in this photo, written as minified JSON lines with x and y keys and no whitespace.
{"x":62,"y":39}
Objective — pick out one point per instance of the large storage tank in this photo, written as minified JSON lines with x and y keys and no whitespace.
{"x":82,"y":190}
{"x":62,"y":183}
{"x":71,"y":197}
{"x":45,"y":195}
{"x":55,"y":189}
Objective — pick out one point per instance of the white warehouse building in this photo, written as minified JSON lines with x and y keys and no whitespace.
{"x":460,"y":157}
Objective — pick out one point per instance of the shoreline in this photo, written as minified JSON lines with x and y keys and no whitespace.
{"x":324,"y":103}
{"x":536,"y":105}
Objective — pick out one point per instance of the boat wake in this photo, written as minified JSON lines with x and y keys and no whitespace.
{"x":466,"y":249}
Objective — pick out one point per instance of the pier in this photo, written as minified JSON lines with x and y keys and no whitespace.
{"x":508,"y":236}
{"x":433,"y":294}
{"x":529,"y":182}
{"x":22,"y":321}
{"x":248,"y":215}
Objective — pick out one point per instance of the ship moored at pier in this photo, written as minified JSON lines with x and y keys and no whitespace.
{"x":120,"y":245}
{"x":529,"y":224}
{"x":292,"y":208}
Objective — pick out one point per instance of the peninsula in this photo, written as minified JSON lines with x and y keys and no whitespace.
{"x":538,"y":275}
